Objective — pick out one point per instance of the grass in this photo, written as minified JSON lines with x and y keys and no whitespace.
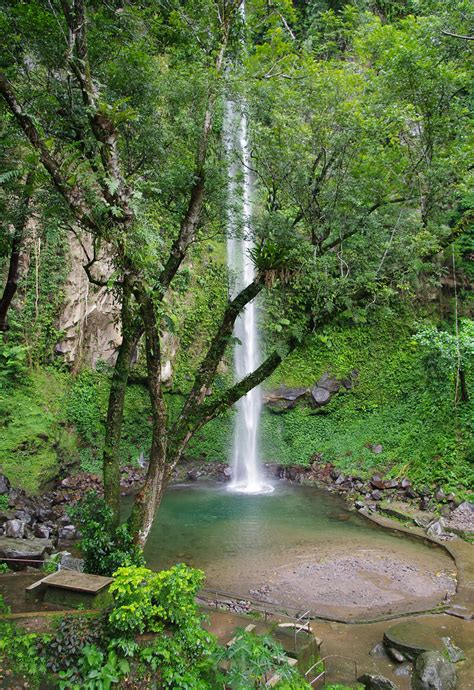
{"x":34,"y":437}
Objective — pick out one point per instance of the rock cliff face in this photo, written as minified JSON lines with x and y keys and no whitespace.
{"x":89,"y":318}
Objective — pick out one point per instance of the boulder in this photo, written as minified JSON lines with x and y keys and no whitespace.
{"x":15,"y":529}
{"x":329,"y":383}
{"x":5,"y":485}
{"x":379,"y":651}
{"x":377,"y":448}
{"x":41,"y":531}
{"x":404,"y":670}
{"x":68,"y":532}
{"x":320,"y":396}
{"x":432,"y":671}
{"x":193,"y":475}
{"x":25,"y":549}
{"x":436,"y":528}
{"x":378,"y":482}
{"x":373,"y":682}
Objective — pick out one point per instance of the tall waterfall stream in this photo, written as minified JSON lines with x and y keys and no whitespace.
{"x":246,"y":476}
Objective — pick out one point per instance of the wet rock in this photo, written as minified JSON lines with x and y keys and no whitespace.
{"x":440,"y":495}
{"x":329,"y":382}
{"x":15,"y":529}
{"x":359,"y":505}
{"x":340,"y":480}
{"x":193,"y":475}
{"x":455,"y":653}
{"x":227,"y":472}
{"x":410,"y":493}
{"x":404,"y":670}
{"x":396,"y":655}
{"x":373,"y":682}
{"x":432,"y":671}
{"x":280,"y":406}
{"x":5,"y":485}
{"x":405,"y":483}
{"x":379,"y":651}
{"x":376,"y":495}
{"x":320,"y":396}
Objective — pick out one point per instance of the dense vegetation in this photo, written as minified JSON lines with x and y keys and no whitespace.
{"x":115,"y":159}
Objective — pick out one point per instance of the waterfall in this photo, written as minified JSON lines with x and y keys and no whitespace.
{"x":246,"y":473}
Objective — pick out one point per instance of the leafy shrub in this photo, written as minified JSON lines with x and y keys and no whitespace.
{"x":105,"y":547}
{"x":253,"y":659}
{"x":3,"y":569}
{"x":13,"y":363}
{"x":145,"y":600}
{"x":63,"y":652}
{"x":4,"y":502}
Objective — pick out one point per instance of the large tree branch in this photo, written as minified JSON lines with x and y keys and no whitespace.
{"x":192,"y":216}
{"x":17,"y":240}
{"x":101,"y":124}
{"x":216,"y":350}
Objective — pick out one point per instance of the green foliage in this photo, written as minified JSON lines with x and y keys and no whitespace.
{"x":145,"y":601}
{"x":34,"y":431}
{"x":4,"y":502}
{"x":3,"y":570}
{"x":104,"y":547}
{"x":253,"y":660}
{"x":19,"y":652}
{"x":13,"y":363}
{"x":445,"y":352}
{"x":63,"y":650}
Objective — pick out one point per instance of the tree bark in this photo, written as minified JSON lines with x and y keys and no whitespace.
{"x":17,"y":240}
{"x":110,"y":459}
{"x":148,"y":499}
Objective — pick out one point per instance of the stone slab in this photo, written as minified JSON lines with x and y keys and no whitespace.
{"x":79,"y":582}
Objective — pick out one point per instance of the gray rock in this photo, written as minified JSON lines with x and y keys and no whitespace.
{"x":320,"y":396}
{"x":15,"y":529}
{"x":455,"y":653}
{"x":396,"y":655}
{"x":376,"y":495}
{"x":329,"y":382}
{"x":379,"y":651}
{"x":67,"y":532}
{"x":377,"y":449}
{"x":5,"y":485}
{"x":405,"y":483}
{"x":432,"y":671}
{"x":41,"y":531}
{"x":404,"y":670}
{"x":436,"y":528}
{"x":66,"y":560}
{"x":373,"y":682}
{"x":24,"y":516}
{"x":25,"y":549}
{"x":227,"y":472}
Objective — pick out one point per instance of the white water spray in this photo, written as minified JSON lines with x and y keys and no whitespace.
{"x":246,"y":476}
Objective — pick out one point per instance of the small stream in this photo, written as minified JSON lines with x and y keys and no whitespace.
{"x":298,"y":546}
